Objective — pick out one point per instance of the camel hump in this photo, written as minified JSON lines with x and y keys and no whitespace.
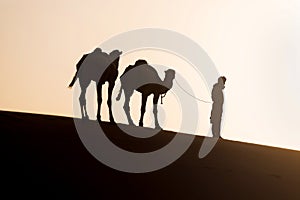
{"x":137,"y":63}
{"x":140,"y":62}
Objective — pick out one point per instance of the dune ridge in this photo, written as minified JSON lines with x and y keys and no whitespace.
{"x":43,"y":157}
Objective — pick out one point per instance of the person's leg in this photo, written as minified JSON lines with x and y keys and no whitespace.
{"x":216,"y":127}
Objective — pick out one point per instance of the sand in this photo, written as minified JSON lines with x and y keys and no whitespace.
{"x":43,"y":158}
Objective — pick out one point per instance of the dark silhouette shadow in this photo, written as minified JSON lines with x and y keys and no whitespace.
{"x":143,"y":78}
{"x":89,"y":68}
{"x":43,"y":155}
{"x":217,"y":106}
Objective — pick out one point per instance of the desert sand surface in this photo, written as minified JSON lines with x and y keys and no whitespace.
{"x":43,"y":158}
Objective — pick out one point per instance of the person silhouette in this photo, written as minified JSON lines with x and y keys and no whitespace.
{"x":217,"y":106}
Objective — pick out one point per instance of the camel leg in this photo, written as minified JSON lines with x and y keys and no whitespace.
{"x":127,"y":107}
{"x":143,"y":108}
{"x":99,"y":100}
{"x":155,"y":100}
{"x":110,"y":90}
{"x":82,"y":101}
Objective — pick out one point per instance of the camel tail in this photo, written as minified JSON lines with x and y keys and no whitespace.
{"x":120,"y":93}
{"x":73,"y":80}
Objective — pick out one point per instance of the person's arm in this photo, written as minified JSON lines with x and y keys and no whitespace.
{"x":214,"y":94}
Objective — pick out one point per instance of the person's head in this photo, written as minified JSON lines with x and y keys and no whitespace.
{"x":221,"y":81}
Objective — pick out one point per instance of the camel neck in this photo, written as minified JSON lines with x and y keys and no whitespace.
{"x":115,"y":63}
{"x":167,"y":83}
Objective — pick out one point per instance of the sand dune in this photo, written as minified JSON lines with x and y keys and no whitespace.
{"x":43,"y":157}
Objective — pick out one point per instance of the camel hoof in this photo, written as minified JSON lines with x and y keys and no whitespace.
{"x":158,"y":127}
{"x":131,"y":123}
{"x":99,"y":119}
{"x":85,"y":118}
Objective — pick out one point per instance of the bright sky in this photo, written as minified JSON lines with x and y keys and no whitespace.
{"x":255,"y":44}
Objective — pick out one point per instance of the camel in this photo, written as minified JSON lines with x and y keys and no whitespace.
{"x":90,"y":68}
{"x":144,"y":79}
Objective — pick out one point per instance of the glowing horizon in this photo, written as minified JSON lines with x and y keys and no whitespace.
{"x":255,"y":44}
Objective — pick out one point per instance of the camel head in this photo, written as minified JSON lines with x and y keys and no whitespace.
{"x":170,"y":74}
{"x":114,"y":57}
{"x":168,"y":81}
{"x":115,"y":53}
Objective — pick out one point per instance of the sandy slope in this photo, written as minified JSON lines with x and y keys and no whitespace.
{"x":43,"y":157}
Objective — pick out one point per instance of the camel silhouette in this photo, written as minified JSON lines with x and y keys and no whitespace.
{"x":144,"y":79}
{"x":100,"y":67}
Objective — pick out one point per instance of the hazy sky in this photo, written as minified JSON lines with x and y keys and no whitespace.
{"x":255,"y":44}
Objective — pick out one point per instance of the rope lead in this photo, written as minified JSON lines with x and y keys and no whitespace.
{"x":161,"y":97}
{"x":190,"y":94}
